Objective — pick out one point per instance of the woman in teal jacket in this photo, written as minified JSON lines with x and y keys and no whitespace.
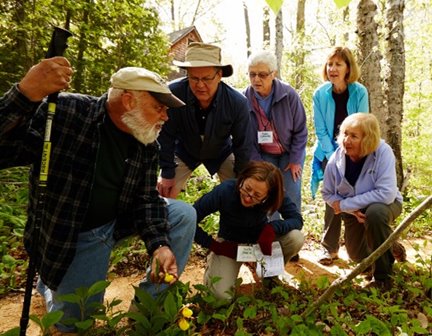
{"x":341,"y":95}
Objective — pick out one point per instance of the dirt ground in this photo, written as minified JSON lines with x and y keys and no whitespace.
{"x":122,"y":287}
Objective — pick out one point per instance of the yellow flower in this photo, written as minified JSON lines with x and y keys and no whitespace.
{"x":183,"y":324}
{"x":168,"y":277}
{"x":186,"y":312}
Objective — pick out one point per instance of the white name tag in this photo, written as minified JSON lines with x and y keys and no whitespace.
{"x":265,"y":137}
{"x":245,"y":253}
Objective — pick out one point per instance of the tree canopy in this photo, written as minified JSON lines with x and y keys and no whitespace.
{"x":107,"y":35}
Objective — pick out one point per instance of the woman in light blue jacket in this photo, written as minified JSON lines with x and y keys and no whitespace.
{"x":360,"y":185}
{"x":341,"y":95}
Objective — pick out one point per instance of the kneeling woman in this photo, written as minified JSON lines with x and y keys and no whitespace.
{"x":245,"y":205}
{"x":360,"y":184}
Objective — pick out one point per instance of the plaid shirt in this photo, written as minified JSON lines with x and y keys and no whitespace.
{"x":75,"y":141}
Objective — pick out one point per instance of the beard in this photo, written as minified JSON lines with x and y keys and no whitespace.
{"x":140,"y":128}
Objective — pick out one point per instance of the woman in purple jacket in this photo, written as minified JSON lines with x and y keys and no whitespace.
{"x":278,"y":122}
{"x":360,"y":184}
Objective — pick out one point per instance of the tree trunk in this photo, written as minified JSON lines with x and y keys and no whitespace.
{"x":369,"y":58}
{"x":301,"y":51}
{"x":78,"y":78}
{"x":279,"y":40}
{"x":196,"y":12}
{"x":172,"y":11}
{"x":394,"y":82}
{"x":266,"y":27}
{"x":345,"y":36}
{"x":247,"y":26}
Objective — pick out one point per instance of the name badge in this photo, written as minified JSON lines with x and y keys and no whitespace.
{"x":245,"y":253}
{"x":265,"y":137}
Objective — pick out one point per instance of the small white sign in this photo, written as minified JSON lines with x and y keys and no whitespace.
{"x":267,"y":266}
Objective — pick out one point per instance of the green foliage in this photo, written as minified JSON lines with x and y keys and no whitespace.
{"x":274,"y":310}
{"x":275,"y":5}
{"x":47,"y":321}
{"x":108,"y":35}
{"x":158,"y":316}
{"x":13,"y":205}
{"x":82,"y":297}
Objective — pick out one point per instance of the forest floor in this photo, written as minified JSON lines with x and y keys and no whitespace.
{"x":121,"y":287}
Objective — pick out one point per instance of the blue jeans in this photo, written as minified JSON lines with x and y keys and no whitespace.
{"x":91,"y":260}
{"x":292,"y":188}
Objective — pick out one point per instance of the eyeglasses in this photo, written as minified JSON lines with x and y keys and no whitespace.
{"x":261,"y":75}
{"x":247,"y":191}
{"x":205,"y":80}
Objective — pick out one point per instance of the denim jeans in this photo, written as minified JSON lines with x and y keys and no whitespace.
{"x":91,"y":260}
{"x":292,"y":188}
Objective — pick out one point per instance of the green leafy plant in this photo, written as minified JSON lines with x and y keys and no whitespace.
{"x":82,"y":297}
{"x":160,"y":316}
{"x":47,"y":321}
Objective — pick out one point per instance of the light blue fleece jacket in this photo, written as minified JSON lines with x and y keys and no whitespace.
{"x":376,"y":183}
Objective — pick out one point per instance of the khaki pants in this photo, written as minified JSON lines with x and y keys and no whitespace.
{"x":227,"y":269}
{"x":183,"y":172}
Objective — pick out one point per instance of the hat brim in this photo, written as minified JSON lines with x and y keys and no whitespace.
{"x":227,"y":70}
{"x":168,"y":99}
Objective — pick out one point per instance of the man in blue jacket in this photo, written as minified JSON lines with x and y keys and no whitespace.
{"x":211,"y":129}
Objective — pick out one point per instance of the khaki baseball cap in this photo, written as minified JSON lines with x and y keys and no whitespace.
{"x":204,"y":55}
{"x":140,"y":79}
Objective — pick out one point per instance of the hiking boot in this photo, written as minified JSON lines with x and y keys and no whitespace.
{"x":326,"y":258}
{"x":399,"y":252}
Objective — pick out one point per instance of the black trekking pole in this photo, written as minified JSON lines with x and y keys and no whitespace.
{"x":56,"y":48}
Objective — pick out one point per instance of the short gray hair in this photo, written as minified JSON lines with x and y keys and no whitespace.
{"x":265,"y":57}
{"x":115,"y":93}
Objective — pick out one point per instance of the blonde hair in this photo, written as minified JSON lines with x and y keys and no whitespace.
{"x":368,"y":124}
{"x":347,"y":56}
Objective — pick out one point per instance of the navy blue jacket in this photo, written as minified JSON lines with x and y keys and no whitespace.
{"x":238,"y":223}
{"x":225,"y":131}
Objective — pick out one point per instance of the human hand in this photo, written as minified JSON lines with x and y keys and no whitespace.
{"x":361,"y":217}
{"x":166,"y":187}
{"x":163,"y":263}
{"x":266,"y":238}
{"x":336,"y":207}
{"x":225,"y":248}
{"x":48,"y":76}
{"x":296,"y":170}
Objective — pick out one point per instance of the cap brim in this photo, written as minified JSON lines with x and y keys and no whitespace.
{"x":168,"y":99}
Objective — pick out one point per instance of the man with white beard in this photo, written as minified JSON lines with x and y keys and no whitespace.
{"x":102,"y":179}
